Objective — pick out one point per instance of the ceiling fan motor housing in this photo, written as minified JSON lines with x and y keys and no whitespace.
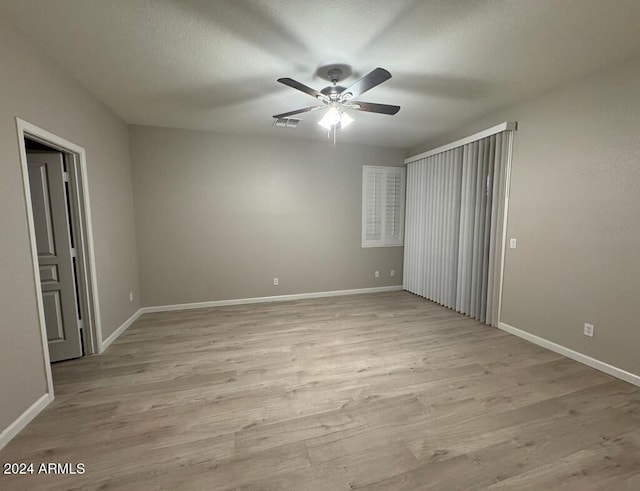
{"x":333,"y":91}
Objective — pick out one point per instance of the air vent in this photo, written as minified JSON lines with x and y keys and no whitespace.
{"x":285,"y":122}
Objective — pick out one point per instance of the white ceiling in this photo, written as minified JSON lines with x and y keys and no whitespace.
{"x":213,"y":65}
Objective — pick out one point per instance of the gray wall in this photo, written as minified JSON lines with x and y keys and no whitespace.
{"x":219,"y":216}
{"x":575,"y":210}
{"x":35,"y":90}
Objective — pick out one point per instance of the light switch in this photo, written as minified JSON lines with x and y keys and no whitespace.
{"x":512,"y":243}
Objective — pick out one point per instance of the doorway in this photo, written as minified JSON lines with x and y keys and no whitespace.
{"x":56,"y":198}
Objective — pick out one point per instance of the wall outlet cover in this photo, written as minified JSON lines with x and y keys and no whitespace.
{"x":589,"y":330}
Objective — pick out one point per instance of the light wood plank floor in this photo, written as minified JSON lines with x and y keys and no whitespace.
{"x":378,"y":392}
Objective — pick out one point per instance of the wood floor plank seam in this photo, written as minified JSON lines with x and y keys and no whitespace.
{"x":383,"y":391}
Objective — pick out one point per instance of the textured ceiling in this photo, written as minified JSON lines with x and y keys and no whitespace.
{"x":213,"y":65}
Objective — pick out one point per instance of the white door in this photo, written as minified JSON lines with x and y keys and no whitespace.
{"x":55,"y":253}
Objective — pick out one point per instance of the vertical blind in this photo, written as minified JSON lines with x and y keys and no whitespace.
{"x":454,"y":225}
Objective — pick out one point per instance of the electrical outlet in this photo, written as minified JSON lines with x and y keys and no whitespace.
{"x":513,"y":243}
{"x":393,"y":273}
{"x":589,"y":329}
{"x":130,"y":296}
{"x":276,"y":282}
{"x":377,"y":274}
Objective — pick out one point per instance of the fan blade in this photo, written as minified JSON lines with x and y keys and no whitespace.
{"x":372,"y":107}
{"x":303,"y":88}
{"x":292,"y":113}
{"x":369,"y":81}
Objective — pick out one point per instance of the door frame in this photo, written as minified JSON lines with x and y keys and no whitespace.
{"x":87,"y":281}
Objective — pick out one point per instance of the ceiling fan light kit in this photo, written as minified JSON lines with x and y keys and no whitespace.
{"x":335,"y":117}
{"x":337,"y":99}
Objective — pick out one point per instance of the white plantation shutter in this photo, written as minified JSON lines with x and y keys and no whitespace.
{"x":372,"y":206}
{"x":393,"y":209}
{"x":382,"y":206}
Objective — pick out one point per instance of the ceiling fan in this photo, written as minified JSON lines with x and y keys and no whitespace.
{"x":337,"y":99}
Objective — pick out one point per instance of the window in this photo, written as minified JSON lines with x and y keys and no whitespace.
{"x":382,"y":206}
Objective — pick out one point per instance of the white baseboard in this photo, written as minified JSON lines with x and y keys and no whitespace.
{"x":237,"y":301}
{"x":276,"y":298}
{"x":115,"y":334}
{"x":24,"y":419}
{"x":574,"y":355}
